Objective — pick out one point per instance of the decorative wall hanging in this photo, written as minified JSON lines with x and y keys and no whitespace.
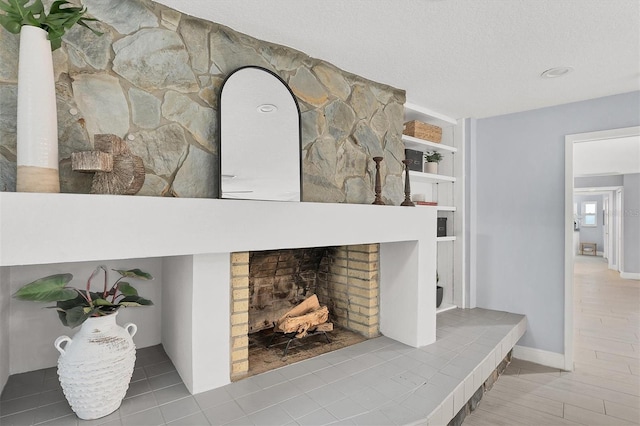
{"x":117,"y":170}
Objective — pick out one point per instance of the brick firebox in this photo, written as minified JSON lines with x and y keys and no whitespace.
{"x":264,"y":285}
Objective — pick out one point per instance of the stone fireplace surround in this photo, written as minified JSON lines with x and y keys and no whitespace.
{"x":194,"y":239}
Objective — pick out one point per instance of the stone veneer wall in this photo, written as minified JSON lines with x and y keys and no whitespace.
{"x":154,"y":76}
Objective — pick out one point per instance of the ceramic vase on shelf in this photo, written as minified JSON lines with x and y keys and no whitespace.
{"x":431,"y":167}
{"x":37,"y":121}
{"x":96,"y":365}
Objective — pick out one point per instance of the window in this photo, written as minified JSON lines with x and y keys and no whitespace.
{"x":589,"y":213}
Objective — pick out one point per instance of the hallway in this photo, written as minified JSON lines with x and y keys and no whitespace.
{"x":604,"y":388}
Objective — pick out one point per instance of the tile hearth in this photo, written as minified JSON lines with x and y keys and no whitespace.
{"x":376,"y":382}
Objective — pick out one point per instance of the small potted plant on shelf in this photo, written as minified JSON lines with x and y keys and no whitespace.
{"x":432,"y":158}
{"x":96,"y":365}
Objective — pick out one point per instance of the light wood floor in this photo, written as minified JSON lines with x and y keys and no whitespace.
{"x":604,"y":388}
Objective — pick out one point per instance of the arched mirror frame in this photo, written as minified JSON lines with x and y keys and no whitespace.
{"x":220,"y":124}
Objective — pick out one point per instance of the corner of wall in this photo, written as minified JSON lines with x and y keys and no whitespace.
{"x":4,"y":325}
{"x":470,"y":210}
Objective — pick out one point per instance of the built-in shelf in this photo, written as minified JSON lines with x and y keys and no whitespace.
{"x":449,"y":238}
{"x":430,"y":177}
{"x":440,"y":208}
{"x":417,"y":144}
{"x":450,"y":195}
{"x":426,"y":115}
{"x":445,"y":307}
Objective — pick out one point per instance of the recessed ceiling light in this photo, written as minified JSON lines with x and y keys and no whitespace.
{"x":556,"y":72}
{"x":267,"y":108}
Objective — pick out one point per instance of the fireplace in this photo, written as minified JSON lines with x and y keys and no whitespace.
{"x":201,"y":238}
{"x":266,"y":284}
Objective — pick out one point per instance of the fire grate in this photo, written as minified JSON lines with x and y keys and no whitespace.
{"x":293,"y":336}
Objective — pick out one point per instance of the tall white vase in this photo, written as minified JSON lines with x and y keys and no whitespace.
{"x":95,"y":367}
{"x":37,"y":130}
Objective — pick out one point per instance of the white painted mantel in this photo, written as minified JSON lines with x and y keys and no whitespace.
{"x":195,"y":237}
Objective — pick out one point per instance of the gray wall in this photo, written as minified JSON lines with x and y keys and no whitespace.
{"x":597,"y":181}
{"x":593,"y":234}
{"x":631,"y":223}
{"x":519,"y":174}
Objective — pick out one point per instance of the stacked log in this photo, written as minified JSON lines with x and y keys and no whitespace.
{"x":305,"y":317}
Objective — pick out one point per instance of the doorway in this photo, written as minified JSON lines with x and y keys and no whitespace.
{"x":571,"y":164}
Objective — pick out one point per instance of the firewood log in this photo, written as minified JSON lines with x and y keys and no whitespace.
{"x":301,"y":324}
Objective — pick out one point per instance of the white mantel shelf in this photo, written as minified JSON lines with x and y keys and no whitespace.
{"x":56,"y":228}
{"x":195,"y":239}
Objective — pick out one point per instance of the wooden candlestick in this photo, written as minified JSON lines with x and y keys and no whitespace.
{"x":378,"y":187}
{"x":407,"y":186}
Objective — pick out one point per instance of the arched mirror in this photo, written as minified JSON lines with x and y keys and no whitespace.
{"x":260,"y":156}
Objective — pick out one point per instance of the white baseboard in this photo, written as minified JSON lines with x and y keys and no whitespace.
{"x":630,"y":275}
{"x":550,"y":359}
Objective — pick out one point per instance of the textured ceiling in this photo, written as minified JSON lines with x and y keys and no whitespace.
{"x":462,"y":58}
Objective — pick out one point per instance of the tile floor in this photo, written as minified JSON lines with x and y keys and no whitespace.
{"x":604,"y":388}
{"x":377,"y":382}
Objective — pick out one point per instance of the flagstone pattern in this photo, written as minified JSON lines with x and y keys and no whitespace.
{"x":154,"y":77}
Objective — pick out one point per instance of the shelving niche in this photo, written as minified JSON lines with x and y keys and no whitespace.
{"x":447,"y":189}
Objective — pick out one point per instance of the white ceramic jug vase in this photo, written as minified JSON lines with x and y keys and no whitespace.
{"x":95,"y":367}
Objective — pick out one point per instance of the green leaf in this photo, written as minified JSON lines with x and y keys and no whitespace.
{"x":126,"y":289}
{"x":56,"y":6}
{"x":83,"y":24}
{"x":135,"y":301}
{"x":56,"y":44}
{"x":10,"y":25}
{"x":62,"y":315}
{"x":76,"y":316}
{"x":47,"y":289}
{"x":36,"y":8}
{"x":6,"y":8}
{"x":56,"y":40}
{"x":135,"y":273}
{"x":29,"y":19}
{"x":102,"y":302}
{"x":68,"y":304}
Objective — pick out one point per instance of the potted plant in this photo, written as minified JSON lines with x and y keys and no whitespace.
{"x":40,"y":33}
{"x":61,"y":17}
{"x":95,"y":367}
{"x":432,"y":158}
